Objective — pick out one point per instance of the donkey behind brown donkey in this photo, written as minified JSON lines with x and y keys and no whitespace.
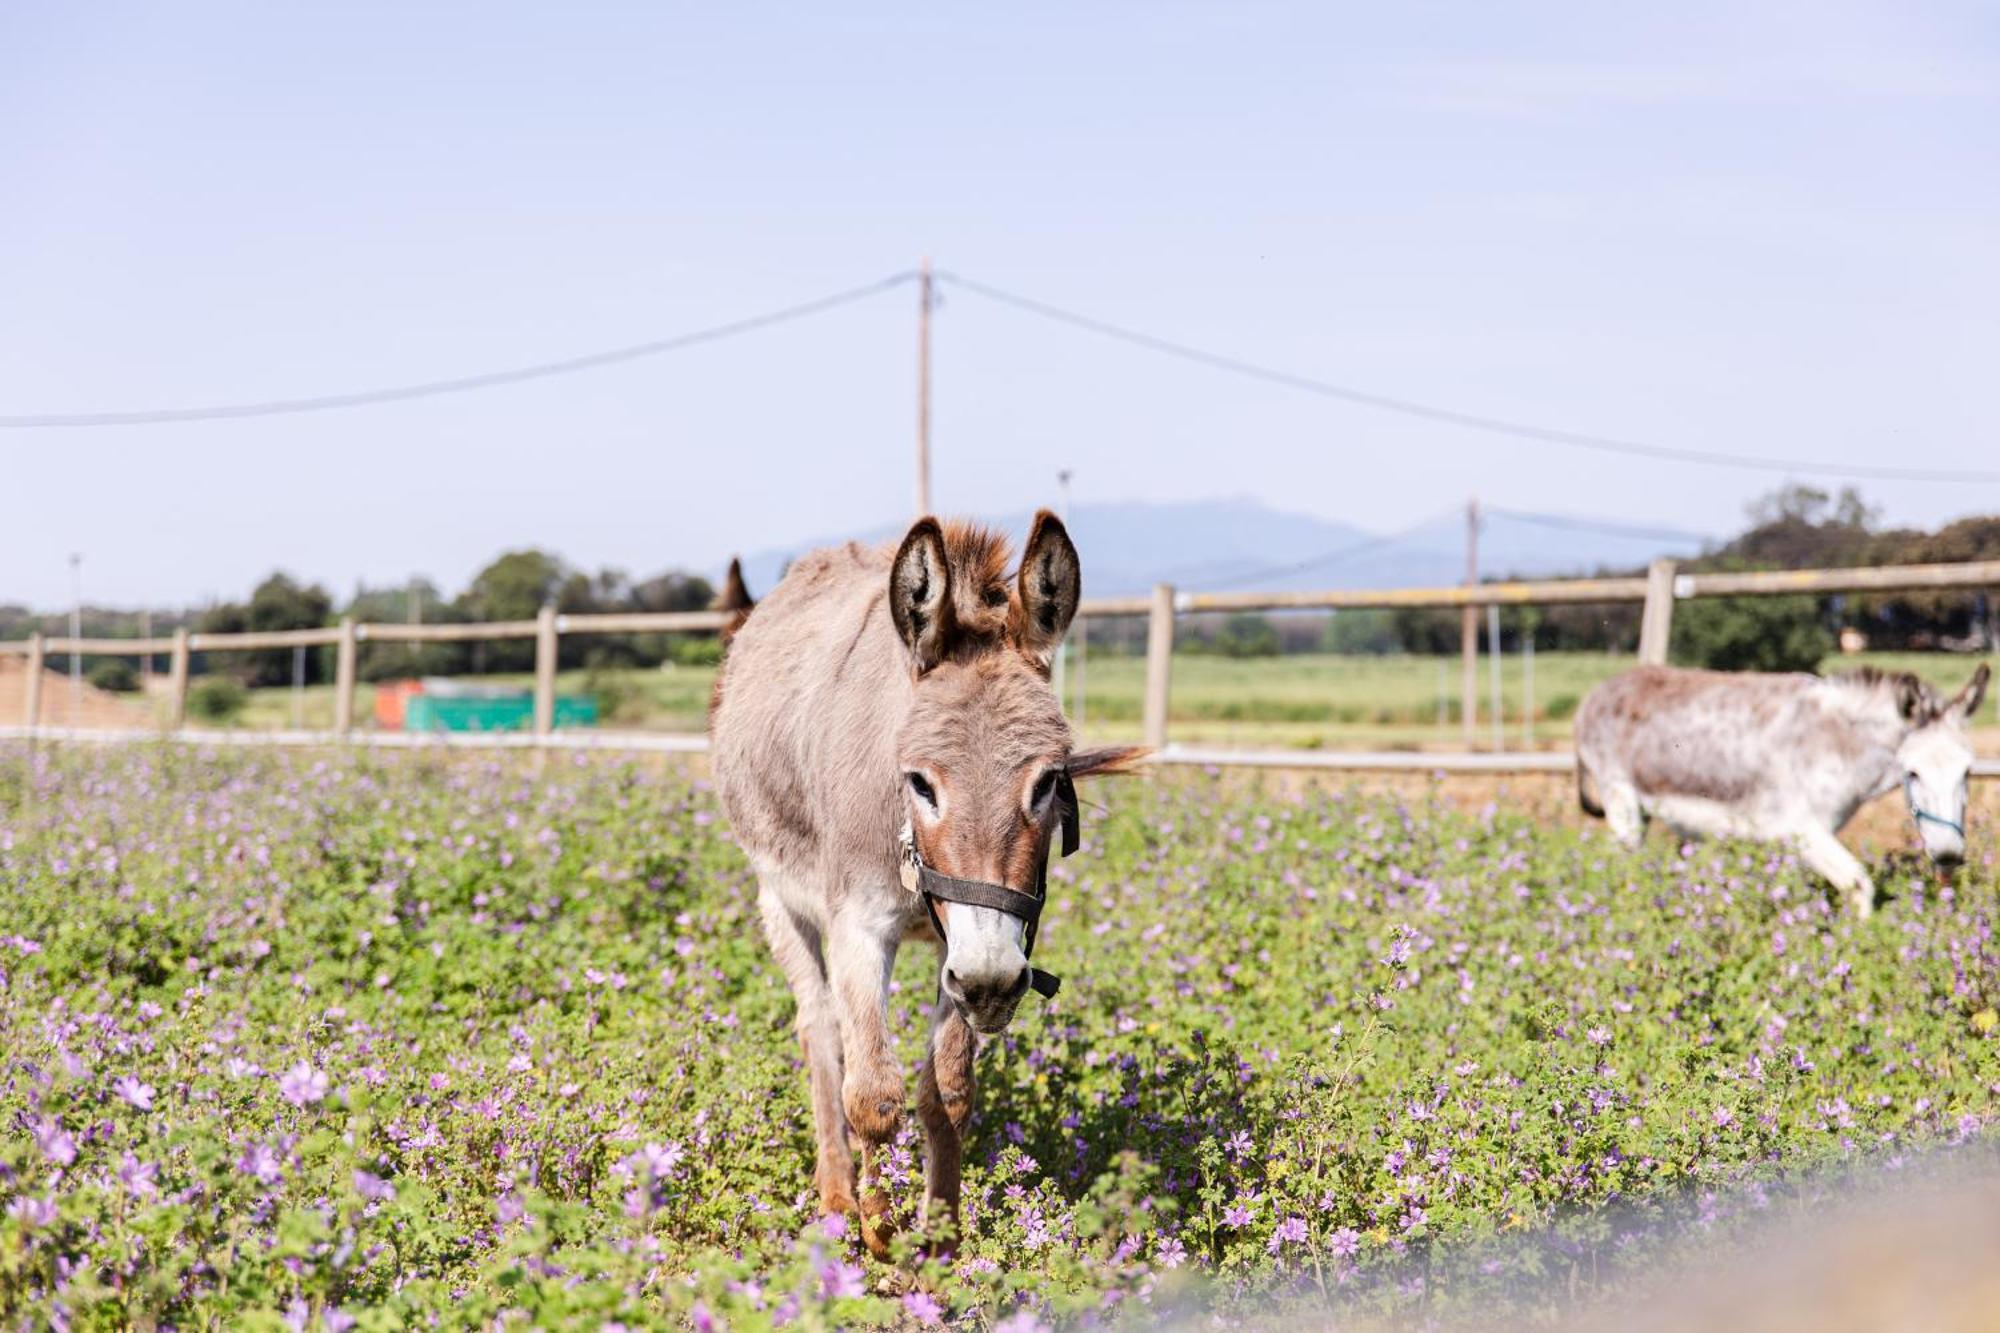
{"x":895,"y":764}
{"x":1778,"y":757}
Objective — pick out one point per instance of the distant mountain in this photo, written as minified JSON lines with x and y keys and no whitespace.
{"x":1243,"y":544}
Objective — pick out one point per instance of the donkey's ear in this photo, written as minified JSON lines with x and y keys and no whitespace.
{"x":920,"y":593}
{"x":1910,"y":697}
{"x":1966,"y":702}
{"x":1051,"y":582}
{"x":1107,"y":761}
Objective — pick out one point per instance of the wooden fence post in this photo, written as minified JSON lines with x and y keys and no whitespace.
{"x":1656,"y":622}
{"x":545,"y":671}
{"x":1159,"y":663}
{"x":343,"y":679}
{"x":177,"y":682}
{"x":32,"y":714}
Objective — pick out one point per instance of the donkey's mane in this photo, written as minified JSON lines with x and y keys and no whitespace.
{"x":977,"y":554}
{"x":1900,"y":684}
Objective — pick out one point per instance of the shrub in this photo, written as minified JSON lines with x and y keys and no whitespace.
{"x":1560,"y":707}
{"x":616,"y":694}
{"x":1247,"y":635}
{"x":114,"y":674}
{"x":1751,"y":634}
{"x":694,"y":650}
{"x":217,"y":698}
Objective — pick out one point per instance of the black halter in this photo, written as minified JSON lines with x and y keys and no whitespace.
{"x":934,"y":887}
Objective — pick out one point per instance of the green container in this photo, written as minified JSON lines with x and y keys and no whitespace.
{"x":426,"y":712}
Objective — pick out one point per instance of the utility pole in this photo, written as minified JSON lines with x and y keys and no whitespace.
{"x":924,"y":387}
{"x":1468,"y":628}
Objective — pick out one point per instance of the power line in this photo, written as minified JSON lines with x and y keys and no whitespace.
{"x":1450,"y":416}
{"x":1332,"y":557}
{"x":1571,"y":523}
{"x":464,"y":384}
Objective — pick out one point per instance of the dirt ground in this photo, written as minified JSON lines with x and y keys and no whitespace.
{"x":89,"y":707}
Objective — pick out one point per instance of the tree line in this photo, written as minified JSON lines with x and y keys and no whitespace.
{"x":514,"y":586}
{"x":1795,"y":527}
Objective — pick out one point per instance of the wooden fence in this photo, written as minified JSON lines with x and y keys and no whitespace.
{"x":1657,"y":592}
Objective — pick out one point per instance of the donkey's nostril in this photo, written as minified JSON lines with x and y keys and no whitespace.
{"x":985,"y":990}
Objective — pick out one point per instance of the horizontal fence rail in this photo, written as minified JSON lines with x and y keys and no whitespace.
{"x":1657,"y":591}
{"x":633,"y":742}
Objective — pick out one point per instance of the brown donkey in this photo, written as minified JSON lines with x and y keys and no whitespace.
{"x":894,"y":763}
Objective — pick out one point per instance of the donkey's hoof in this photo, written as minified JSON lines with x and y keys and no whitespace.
{"x":876,"y":1228}
{"x":874,"y":1107}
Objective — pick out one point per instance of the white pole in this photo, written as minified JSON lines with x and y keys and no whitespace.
{"x":1062,"y":512}
{"x":1493,"y":672}
{"x":1528,"y":689}
{"x":1082,"y":659}
{"x":75,"y":632}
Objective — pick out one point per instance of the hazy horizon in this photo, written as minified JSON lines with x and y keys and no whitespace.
{"x":1759,"y":234}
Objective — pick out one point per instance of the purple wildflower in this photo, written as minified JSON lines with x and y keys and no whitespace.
{"x":839,"y":1280}
{"x":261,"y":1164}
{"x":302,"y":1085}
{"x":923,"y":1307}
{"x":1022,"y":1321}
{"x":134,"y":1092}
{"x":55,"y":1142}
{"x":1291,"y":1231}
{"x":140,"y":1179}
{"x":33,"y":1212}
{"x":373,"y":1188}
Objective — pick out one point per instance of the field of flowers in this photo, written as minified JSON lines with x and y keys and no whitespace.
{"x":350,"y":1041}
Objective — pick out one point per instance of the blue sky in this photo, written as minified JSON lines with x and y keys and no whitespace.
{"x":1758,"y":229}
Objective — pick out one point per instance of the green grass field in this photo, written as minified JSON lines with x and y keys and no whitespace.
{"x":1307,"y":701}
{"x":338,"y":1039}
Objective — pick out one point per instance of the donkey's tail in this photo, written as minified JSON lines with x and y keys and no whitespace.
{"x":734,"y":598}
{"x":1586,"y":792}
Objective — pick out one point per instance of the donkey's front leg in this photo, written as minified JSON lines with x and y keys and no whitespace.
{"x":1823,"y":852}
{"x":860,"y":956}
{"x":797,"y":948}
{"x":944,"y":1104}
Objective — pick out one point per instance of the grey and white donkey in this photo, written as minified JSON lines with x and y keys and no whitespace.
{"x":1777,"y":757}
{"x":885,"y":708}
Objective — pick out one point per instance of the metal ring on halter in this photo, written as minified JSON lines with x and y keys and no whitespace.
{"x":935,"y":887}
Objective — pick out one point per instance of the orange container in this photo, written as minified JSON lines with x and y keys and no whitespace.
{"x":391,"y":696}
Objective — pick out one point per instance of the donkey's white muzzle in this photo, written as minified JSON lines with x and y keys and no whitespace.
{"x":985,"y":964}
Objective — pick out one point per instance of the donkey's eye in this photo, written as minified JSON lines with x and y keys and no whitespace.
{"x":996,"y":597}
{"x":1045,"y":788}
{"x":921,"y":785}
